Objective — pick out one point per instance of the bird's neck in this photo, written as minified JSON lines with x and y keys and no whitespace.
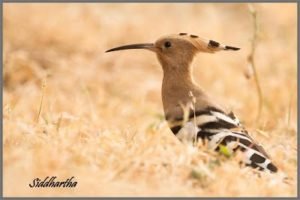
{"x":177,"y":74}
{"x":177,"y":86}
{"x":177,"y":78}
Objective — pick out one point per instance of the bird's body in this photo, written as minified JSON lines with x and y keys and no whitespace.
{"x":189,"y":111}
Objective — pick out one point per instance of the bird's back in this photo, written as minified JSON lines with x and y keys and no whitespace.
{"x":219,"y":129}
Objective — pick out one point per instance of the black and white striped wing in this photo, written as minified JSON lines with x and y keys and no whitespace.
{"x":218,"y":128}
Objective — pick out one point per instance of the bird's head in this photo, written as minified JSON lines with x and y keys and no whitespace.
{"x":175,"y":51}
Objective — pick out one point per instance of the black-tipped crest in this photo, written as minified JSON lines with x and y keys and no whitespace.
{"x":231,"y":48}
{"x":213,"y":43}
{"x":194,"y":36}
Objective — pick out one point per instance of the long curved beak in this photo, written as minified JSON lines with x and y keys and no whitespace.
{"x":148,"y":46}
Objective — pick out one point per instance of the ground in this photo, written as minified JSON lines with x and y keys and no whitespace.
{"x":69,"y":109}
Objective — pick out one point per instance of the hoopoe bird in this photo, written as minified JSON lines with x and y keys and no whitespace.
{"x":192,"y":115}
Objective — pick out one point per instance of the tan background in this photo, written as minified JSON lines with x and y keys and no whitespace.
{"x":101,"y":114}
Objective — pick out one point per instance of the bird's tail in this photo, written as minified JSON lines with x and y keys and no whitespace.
{"x":254,"y":154}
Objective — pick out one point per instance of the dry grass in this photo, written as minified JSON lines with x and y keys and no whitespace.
{"x":100,"y":119}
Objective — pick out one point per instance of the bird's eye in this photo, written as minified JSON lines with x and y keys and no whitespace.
{"x":168,"y":44}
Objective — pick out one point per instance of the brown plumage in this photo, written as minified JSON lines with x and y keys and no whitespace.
{"x":190,"y":112}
